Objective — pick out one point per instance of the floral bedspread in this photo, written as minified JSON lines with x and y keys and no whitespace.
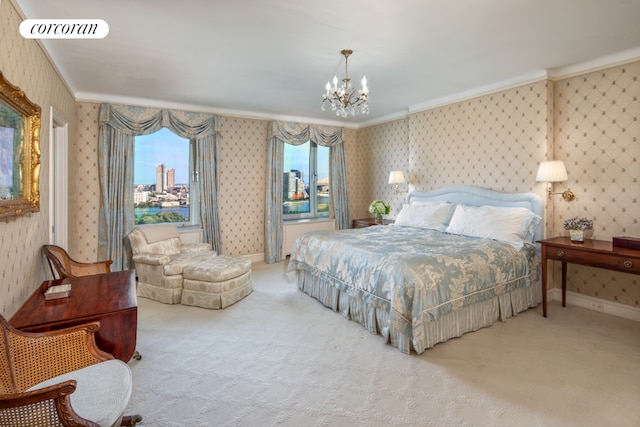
{"x":417,"y":275}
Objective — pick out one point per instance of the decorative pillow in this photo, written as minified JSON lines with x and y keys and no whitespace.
{"x":510,"y":225}
{"x":433,"y":216}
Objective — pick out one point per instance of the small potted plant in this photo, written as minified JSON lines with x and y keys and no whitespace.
{"x":577,"y":227}
{"x":379,"y":208}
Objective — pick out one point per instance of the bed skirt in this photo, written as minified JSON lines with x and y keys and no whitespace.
{"x":335,"y":295}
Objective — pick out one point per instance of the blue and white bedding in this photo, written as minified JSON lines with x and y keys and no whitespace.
{"x":415,"y":285}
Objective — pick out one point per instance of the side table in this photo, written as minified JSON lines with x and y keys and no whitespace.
{"x":592,"y":253}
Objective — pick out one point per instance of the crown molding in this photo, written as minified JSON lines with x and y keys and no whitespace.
{"x":480,"y":91}
{"x":384,"y":119}
{"x":619,"y":58}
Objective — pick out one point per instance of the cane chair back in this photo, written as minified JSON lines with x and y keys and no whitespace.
{"x":61,"y":263}
{"x":27,"y":359}
{"x":31,"y":358}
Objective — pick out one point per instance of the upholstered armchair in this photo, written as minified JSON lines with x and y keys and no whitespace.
{"x":159,"y":256}
{"x":65,"y":266}
{"x":61,"y":378}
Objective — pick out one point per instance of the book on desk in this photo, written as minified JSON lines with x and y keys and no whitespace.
{"x":57,"y":291}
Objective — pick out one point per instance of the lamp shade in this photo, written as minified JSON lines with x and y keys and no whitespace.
{"x":396,"y":177}
{"x":552,"y":171}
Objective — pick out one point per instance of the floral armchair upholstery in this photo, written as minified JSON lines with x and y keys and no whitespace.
{"x":159,"y":256}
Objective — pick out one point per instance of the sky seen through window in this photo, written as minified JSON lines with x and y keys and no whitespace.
{"x":161,"y":147}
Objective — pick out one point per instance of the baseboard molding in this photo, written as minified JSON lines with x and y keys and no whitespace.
{"x":596,"y":304}
{"x":255,"y":257}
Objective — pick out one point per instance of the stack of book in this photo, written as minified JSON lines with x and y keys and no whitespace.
{"x":58,"y":291}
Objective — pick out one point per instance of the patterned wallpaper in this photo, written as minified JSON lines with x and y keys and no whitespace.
{"x":596,"y":134}
{"x":358,"y":177}
{"x":384,"y":148}
{"x":494,"y":141}
{"x":84,"y":184}
{"x":23,"y":63}
{"x":243,"y":163}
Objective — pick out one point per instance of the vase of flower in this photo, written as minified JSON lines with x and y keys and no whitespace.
{"x":576,"y":235}
{"x":379,"y":208}
{"x":577,"y":228}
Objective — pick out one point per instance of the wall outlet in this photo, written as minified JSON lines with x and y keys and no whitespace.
{"x":596,"y":306}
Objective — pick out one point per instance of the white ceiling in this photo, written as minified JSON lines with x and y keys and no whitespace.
{"x":272,"y":59}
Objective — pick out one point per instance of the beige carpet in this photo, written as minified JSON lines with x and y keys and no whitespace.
{"x":280,"y":358}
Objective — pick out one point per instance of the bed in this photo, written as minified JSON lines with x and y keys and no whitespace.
{"x":458,"y":259}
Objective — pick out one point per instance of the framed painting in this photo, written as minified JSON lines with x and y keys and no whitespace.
{"x":19,"y":152}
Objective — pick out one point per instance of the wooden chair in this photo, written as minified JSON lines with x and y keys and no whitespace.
{"x":40,"y":373}
{"x":66,"y":266}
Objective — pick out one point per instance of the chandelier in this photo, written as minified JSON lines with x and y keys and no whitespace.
{"x":344,"y":100}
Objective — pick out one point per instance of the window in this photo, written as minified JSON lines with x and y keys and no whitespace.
{"x":305,"y":181}
{"x":162,"y":190}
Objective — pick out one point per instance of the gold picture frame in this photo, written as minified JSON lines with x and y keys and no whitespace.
{"x":19,"y":152}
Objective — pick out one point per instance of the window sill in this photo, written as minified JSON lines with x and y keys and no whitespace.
{"x":306,"y":220}
{"x":188,"y":233}
{"x":187,"y":228}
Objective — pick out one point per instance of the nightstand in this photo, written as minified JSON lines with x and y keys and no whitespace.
{"x":368,"y":222}
{"x":592,"y":253}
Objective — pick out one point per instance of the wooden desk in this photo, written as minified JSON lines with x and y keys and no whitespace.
{"x":368,"y":222}
{"x":109,"y":298}
{"x":593,"y":253}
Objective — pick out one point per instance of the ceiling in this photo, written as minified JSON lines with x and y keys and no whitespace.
{"x":272,"y":59}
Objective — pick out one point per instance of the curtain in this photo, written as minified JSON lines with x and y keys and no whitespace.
{"x":281,"y":133}
{"x":119,"y":125}
{"x":207,"y":165}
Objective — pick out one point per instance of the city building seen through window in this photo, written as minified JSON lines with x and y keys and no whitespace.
{"x":305,"y":181}
{"x":161,"y":179}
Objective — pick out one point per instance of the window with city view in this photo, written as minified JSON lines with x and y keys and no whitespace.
{"x":161,"y":178}
{"x":305,"y":181}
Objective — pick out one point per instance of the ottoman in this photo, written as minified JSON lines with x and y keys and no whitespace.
{"x":216,"y":282}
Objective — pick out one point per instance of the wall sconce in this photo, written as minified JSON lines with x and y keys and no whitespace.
{"x":397,"y":177}
{"x":554,"y":171}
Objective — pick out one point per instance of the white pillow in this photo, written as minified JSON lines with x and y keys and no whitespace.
{"x":510,"y":225}
{"x":433,"y":216}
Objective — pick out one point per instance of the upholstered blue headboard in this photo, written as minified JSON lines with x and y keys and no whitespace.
{"x":477,"y":196}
